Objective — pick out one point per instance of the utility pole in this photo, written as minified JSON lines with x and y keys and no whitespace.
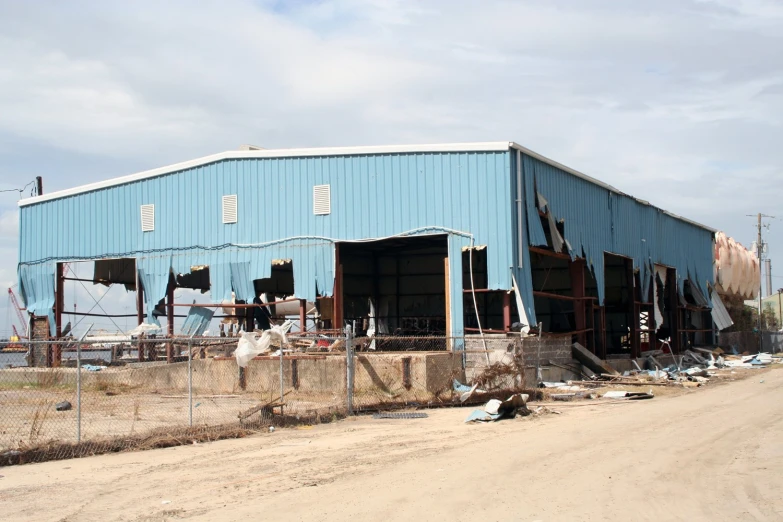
{"x":759,"y":248}
{"x":760,"y":253}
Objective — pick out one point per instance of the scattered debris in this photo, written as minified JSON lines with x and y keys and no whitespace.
{"x":618,"y":394}
{"x":466,"y":392}
{"x":400,"y":415}
{"x":495,"y":409}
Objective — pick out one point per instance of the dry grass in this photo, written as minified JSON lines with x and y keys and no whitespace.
{"x":159,"y":438}
{"x":37,"y":422}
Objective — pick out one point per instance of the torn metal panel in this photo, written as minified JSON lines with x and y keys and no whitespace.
{"x":241,"y":281}
{"x":36,"y":288}
{"x":597,"y":220}
{"x":535,"y":231}
{"x":557,"y":239}
{"x":154,"y":275}
{"x":659,"y":274}
{"x":700,"y":298}
{"x":719,"y":313}
{"x":197,"y":321}
{"x":542,"y":202}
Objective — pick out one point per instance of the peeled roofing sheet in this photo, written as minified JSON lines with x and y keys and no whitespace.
{"x":719,"y":313}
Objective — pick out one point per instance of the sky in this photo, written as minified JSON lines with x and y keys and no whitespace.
{"x":678,"y":102}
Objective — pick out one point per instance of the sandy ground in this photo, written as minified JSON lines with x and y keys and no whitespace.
{"x":709,"y":454}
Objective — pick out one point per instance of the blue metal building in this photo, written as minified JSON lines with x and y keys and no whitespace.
{"x":237,"y":211}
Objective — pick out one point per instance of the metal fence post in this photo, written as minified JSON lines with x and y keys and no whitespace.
{"x":282,"y":380}
{"x":190,"y":381}
{"x":79,"y":384}
{"x":349,"y":369}
{"x":539,"y":377}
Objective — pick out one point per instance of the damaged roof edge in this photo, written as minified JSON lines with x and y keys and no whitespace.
{"x":601,"y":184}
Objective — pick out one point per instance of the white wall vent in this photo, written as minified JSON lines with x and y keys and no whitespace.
{"x":147,"y":218}
{"x":322,"y":200}
{"x":230,"y":209}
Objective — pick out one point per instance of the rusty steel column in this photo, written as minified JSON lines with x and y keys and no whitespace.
{"x":633,"y":308}
{"x":59,"y":307}
{"x":506,"y":311}
{"x":170,"y":320}
{"x":303,"y":315}
{"x":250,"y":318}
{"x":674,"y":309}
{"x":139,"y":297}
{"x":576,"y":269}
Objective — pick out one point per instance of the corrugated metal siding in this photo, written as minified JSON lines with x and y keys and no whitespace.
{"x":373,"y":196}
{"x":598,"y":221}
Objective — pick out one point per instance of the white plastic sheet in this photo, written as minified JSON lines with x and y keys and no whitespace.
{"x":252,"y":344}
{"x":145,"y":328}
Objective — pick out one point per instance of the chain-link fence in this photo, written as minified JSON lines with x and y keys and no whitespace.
{"x":160,"y":392}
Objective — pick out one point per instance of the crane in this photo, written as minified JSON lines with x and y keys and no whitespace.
{"x":15,"y":305}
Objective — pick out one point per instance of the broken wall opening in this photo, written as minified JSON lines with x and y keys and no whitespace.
{"x":497,"y":309}
{"x":403,"y":278}
{"x":619,"y":299}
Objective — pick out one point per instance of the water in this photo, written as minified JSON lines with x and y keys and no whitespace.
{"x":17,"y":359}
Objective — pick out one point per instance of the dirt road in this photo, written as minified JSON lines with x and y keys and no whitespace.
{"x":709,"y":454}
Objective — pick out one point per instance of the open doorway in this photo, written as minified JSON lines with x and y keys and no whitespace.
{"x":395,"y":286}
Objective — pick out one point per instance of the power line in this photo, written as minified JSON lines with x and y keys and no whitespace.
{"x":21,"y":190}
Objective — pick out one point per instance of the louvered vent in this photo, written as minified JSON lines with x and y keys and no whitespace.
{"x":147,"y":218}
{"x":322,"y":200}
{"x":230,"y":209}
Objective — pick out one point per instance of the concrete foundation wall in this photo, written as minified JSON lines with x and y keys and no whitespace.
{"x":382,"y":374}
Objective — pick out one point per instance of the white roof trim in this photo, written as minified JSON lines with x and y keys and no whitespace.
{"x":495,"y":146}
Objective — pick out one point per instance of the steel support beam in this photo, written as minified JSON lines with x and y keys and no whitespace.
{"x":59,"y":307}
{"x":576,"y":269}
{"x":337,"y":313}
{"x":507,"y":311}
